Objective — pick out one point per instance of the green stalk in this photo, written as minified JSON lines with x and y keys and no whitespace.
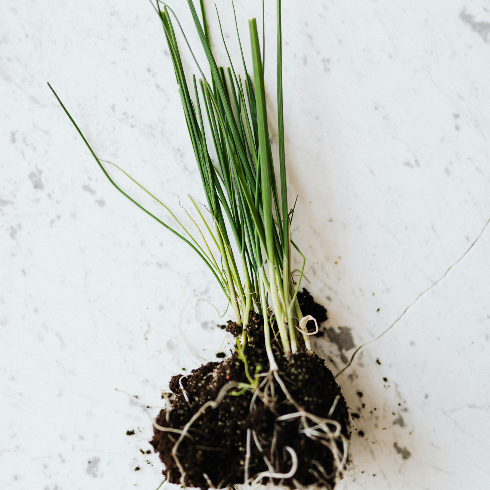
{"x":267,"y":333}
{"x":248,"y":300}
{"x":130,"y":198}
{"x":284,"y":195}
{"x":265,"y":176}
{"x":242,"y":193}
{"x":231,"y":285}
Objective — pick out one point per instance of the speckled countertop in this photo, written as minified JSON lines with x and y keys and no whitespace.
{"x":388,"y":124}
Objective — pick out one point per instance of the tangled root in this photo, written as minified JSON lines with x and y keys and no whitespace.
{"x":289,"y":428}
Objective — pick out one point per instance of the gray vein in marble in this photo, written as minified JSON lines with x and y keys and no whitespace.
{"x":402,"y":451}
{"x":399,"y":421}
{"x":481,"y":28}
{"x":36,"y":179}
{"x":464,"y":431}
{"x":342,"y":339}
{"x":88,"y":189}
{"x":92,"y":467}
{"x":5,"y":202}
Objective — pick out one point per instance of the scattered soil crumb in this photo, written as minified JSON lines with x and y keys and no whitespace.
{"x":130,"y":433}
{"x":233,"y":328}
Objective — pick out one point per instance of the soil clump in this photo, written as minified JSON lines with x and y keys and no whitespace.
{"x":242,"y":437}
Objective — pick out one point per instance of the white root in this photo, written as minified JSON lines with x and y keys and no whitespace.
{"x":186,"y":396}
{"x":286,"y":392}
{"x":208,"y":480}
{"x":247,"y":456}
{"x":168,"y":407}
{"x":321,"y":432}
{"x":298,"y":485}
{"x":210,"y":404}
{"x":321,"y":469}
{"x":334,"y":406}
{"x":325,"y":431}
{"x":316,"y":475}
{"x":256,"y":440}
{"x":302,"y":325}
{"x":273,"y":444}
{"x":170,"y":429}
{"x":268,"y":463}
{"x":289,"y":474}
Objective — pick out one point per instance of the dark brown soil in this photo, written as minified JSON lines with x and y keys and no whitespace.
{"x":216,"y":453}
{"x":309,"y":307}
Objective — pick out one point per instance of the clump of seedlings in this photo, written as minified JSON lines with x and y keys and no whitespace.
{"x":272,"y":412}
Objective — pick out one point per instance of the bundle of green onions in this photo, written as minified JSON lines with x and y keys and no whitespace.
{"x":249,"y":229}
{"x":242,"y":185}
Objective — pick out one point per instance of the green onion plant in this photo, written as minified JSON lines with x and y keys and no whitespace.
{"x":243,"y":233}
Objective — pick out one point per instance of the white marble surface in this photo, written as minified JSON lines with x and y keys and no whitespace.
{"x":388,"y":125}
